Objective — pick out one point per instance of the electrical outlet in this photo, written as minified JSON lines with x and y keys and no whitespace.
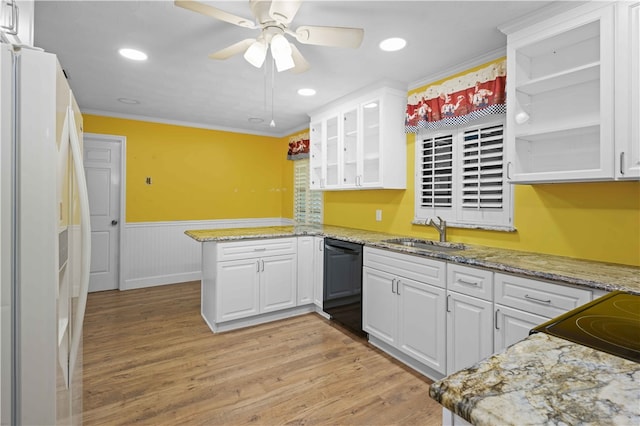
{"x":378,"y":215}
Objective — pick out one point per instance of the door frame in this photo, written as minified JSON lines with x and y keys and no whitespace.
{"x":122,"y":140}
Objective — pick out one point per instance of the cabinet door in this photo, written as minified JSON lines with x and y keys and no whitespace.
{"x":237,"y":289}
{"x":332,"y":147}
{"x":350,"y":148}
{"x":370,"y":173}
{"x":277,"y":283}
{"x":306,"y":270}
{"x":627,"y":96}
{"x":469,"y":331}
{"x":317,"y":155}
{"x":561,"y":94}
{"x":512,"y":325}
{"x":421,"y":322}
{"x":379,"y":305}
{"x":318,"y":270}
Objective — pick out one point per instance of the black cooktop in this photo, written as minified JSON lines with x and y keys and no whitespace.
{"x":610,"y":324}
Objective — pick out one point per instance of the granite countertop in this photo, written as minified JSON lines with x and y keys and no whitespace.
{"x":599,"y":275}
{"x":544,"y":380}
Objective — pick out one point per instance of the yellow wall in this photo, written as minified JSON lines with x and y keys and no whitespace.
{"x":595,"y":221}
{"x":200,"y":174}
{"x":204,"y":174}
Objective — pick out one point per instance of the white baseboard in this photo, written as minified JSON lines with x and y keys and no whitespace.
{"x":162,"y":280}
{"x":158,"y":253}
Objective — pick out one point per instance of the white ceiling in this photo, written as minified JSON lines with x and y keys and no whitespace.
{"x":180,"y":84}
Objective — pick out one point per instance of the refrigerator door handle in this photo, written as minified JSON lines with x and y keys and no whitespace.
{"x":85,"y":228}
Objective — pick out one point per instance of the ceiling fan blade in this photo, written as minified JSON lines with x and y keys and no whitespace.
{"x":301,"y":64}
{"x":234,"y":49}
{"x":283,"y":11}
{"x":329,"y":36}
{"x":213,"y":12}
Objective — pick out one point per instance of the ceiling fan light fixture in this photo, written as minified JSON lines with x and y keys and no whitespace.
{"x":256,"y":53}
{"x":282,"y":53}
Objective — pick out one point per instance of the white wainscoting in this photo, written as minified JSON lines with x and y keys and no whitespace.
{"x":158,"y":253}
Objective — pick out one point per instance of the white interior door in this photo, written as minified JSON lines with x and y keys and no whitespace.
{"x":102,"y":164}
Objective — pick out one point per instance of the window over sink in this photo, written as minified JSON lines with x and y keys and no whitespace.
{"x":461,"y":176}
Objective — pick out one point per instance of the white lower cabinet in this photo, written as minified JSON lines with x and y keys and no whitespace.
{"x":469,"y":316}
{"x":469,"y":330}
{"x":306,"y":270}
{"x":318,"y":270}
{"x":512,"y":325}
{"x":523,"y":303}
{"x":401,"y":306}
{"x":238,"y":290}
{"x":254,"y":286}
{"x":247,"y":279}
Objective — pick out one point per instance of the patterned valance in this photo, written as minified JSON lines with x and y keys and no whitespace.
{"x":298,"y":147}
{"x":460,"y":99}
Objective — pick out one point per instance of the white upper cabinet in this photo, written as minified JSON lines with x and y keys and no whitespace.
{"x":17,"y":21}
{"x":562,"y":114}
{"x":627,"y":96}
{"x":360,"y":143}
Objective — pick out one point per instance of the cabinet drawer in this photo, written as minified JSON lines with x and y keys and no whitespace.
{"x":404,"y":265}
{"x":538,"y":297}
{"x":470,"y":281}
{"x":255,"y":248}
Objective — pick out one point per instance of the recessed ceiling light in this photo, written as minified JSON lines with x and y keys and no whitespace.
{"x":306,"y":92}
{"x":392,"y":44}
{"x":129,"y":101}
{"x":133,"y":54}
{"x":370,"y":105}
{"x":256,"y":120}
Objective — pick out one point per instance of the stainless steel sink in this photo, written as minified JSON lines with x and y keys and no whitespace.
{"x":425,"y":244}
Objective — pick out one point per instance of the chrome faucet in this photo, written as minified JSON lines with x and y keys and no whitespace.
{"x":442,"y":228}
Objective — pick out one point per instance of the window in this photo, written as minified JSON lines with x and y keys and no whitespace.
{"x":307,"y":204}
{"x":461,"y":176}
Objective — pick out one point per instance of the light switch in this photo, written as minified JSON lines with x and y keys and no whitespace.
{"x":378,"y":215}
{"x":148,"y":180}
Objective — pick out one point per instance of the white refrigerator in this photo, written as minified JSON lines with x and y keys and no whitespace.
{"x":44,"y":241}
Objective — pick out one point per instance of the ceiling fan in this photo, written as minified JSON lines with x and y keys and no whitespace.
{"x":273,"y":19}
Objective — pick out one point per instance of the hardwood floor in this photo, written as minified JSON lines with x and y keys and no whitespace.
{"x":149,"y":358}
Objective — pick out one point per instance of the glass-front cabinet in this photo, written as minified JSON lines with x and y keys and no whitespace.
{"x":370,"y":143}
{"x":360,"y":144}
{"x":570,"y":92}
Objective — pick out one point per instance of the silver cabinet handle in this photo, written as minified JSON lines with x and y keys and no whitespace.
{"x":471,"y":283}
{"x":509,"y":170}
{"x":495,"y":318}
{"x":448,"y":297}
{"x":258,"y":265}
{"x":320,"y":244}
{"x":393,"y":283}
{"x":260,"y":249}
{"x":262,"y":265}
{"x":622,"y":163}
{"x":526,"y":296}
{"x":398,"y":287}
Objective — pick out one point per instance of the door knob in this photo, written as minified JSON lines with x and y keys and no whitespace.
{"x":114,"y":222}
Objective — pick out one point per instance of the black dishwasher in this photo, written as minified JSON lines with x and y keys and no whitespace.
{"x":342,"y":298}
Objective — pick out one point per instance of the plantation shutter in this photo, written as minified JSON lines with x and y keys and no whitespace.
{"x":482,"y":168}
{"x":307,"y":204}
{"x":436,"y":179}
